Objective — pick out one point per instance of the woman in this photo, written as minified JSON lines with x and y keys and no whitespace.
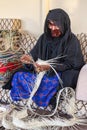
{"x":57,"y":40}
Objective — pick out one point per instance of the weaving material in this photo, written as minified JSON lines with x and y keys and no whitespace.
{"x":83,"y":42}
{"x":8,"y":64}
{"x":10,"y":24}
{"x":65,"y":115}
{"x":10,"y":49}
{"x":9,"y":41}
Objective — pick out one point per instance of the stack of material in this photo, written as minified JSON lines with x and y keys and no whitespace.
{"x":10,"y":48}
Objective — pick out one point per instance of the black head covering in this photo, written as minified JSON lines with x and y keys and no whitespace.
{"x":61,"y":19}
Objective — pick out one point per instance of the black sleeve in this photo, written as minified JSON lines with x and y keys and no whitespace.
{"x":74,"y":58}
{"x":35,"y":50}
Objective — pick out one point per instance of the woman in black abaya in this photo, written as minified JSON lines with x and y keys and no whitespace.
{"x":57,"y":40}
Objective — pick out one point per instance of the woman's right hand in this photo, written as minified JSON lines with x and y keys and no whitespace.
{"x":27,"y":59}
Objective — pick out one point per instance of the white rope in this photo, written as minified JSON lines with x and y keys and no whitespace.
{"x":36,"y":86}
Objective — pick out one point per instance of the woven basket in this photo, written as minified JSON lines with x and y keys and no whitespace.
{"x":10,"y":24}
{"x":9,"y":41}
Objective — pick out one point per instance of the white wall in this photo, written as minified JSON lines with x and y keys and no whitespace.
{"x":33,"y":13}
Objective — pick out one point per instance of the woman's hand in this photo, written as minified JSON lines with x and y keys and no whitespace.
{"x":40,"y":68}
{"x":26,"y":59}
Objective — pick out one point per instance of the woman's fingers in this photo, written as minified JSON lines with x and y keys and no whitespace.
{"x":25,"y":59}
{"x":40,"y":68}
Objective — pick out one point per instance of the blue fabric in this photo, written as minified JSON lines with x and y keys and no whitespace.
{"x":23,"y":83}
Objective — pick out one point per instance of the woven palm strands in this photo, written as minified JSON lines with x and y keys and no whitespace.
{"x":10,"y":53}
{"x":28,"y":41}
{"x":9,"y":41}
{"x":10,"y":24}
{"x":82,"y":37}
{"x":8,"y":64}
{"x":10,"y":50}
{"x":14,"y":117}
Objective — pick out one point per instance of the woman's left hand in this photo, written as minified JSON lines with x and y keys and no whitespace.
{"x":40,"y":68}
